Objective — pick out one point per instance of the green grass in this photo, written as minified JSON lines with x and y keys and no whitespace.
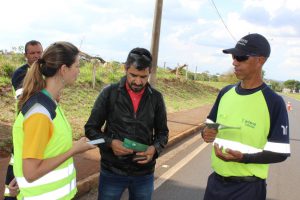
{"x":182,"y":94}
{"x":218,"y":85}
{"x":292,"y":95}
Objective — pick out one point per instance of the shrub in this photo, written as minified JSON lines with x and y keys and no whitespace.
{"x":7,"y":70}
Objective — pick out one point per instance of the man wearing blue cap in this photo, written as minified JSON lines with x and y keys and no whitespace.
{"x":256,"y":129}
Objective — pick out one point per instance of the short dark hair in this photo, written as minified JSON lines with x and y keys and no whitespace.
{"x":140,"y":58}
{"x":32,"y":43}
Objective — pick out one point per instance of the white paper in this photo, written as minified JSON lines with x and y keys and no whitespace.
{"x":98,"y":141}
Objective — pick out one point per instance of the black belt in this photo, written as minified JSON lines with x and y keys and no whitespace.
{"x":238,"y":178}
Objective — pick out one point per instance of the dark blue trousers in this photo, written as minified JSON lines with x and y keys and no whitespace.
{"x":220,"y":189}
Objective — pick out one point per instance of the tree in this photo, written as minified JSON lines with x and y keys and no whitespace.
{"x":276,"y":85}
{"x":228,"y":77}
{"x":263,"y":74}
{"x":204,"y":76}
{"x":294,"y":85}
{"x":214,"y":78}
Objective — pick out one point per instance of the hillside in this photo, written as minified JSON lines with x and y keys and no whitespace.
{"x":77,"y":100}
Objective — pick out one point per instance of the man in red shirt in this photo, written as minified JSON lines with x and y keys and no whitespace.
{"x":135,"y":131}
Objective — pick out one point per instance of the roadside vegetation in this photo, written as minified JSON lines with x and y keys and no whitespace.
{"x":292,"y":95}
{"x":183,"y":91}
{"x":218,"y":85}
{"x":77,"y":100}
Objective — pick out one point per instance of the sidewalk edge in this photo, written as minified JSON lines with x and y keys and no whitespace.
{"x":86,"y":184}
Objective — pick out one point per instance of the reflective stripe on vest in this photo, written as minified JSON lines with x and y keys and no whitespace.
{"x":270,"y":146}
{"x":11,"y":161}
{"x":56,"y":194}
{"x":277,"y":147}
{"x":236,"y":146}
{"x":51,"y":177}
{"x":18,"y":93}
{"x":6,"y":191}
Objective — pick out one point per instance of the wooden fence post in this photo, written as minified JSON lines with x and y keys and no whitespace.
{"x":95,"y":64}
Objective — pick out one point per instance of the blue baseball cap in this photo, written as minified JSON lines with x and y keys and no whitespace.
{"x":251,"y":45}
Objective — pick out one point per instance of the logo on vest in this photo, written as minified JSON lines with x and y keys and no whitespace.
{"x":249,"y":123}
{"x":284,"y":129}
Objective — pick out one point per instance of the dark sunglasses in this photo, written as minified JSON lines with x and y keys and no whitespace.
{"x":240,"y":58}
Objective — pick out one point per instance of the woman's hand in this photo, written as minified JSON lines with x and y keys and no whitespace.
{"x":81,"y":146}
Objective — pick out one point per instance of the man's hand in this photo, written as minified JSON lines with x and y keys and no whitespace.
{"x":149,"y":153}
{"x":13,"y":188}
{"x":209,"y":134}
{"x":119,"y":149}
{"x":229,"y":155}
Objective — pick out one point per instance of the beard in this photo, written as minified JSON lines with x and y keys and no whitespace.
{"x":136,"y":88}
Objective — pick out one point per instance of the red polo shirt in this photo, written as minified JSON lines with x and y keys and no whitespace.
{"x":135,"y":97}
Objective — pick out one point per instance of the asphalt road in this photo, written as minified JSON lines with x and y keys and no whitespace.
{"x":189,"y":182}
{"x":284,"y":178}
{"x":182,"y":172}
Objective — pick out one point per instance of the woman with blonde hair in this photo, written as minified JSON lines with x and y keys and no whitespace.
{"x":42,"y":136}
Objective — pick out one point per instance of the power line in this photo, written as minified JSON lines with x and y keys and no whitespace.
{"x":212,"y":1}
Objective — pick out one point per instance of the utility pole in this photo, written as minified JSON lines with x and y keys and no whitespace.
{"x":186,"y":72}
{"x":155,"y":40}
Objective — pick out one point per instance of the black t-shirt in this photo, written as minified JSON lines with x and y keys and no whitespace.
{"x":18,"y":76}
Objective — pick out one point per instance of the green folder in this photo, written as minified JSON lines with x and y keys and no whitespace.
{"x":130,"y":144}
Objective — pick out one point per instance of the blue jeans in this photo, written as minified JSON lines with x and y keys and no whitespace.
{"x":111,"y":186}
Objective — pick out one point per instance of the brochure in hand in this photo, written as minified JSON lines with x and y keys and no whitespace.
{"x":130,"y":144}
{"x":211,"y":124}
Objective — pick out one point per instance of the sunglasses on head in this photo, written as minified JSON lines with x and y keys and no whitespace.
{"x":240,"y":58}
{"x":138,"y":56}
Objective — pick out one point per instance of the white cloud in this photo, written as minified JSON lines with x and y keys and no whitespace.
{"x":193,"y":5}
{"x":191,"y":30}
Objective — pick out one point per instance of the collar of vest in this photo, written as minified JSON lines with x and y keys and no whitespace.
{"x":42,"y":99}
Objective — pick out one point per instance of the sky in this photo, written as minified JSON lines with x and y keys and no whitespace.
{"x":192,"y":32}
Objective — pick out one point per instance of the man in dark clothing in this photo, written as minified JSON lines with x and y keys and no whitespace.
{"x":135,"y":130}
{"x":33,"y":51}
{"x":251,"y":129}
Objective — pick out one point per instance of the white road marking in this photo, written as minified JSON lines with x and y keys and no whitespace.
{"x":170,"y":154}
{"x":164,"y":177}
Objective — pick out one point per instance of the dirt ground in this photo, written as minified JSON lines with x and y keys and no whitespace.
{"x":5,"y":139}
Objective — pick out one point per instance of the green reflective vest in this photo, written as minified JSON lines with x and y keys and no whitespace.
{"x":250,"y":113}
{"x":60,"y":183}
